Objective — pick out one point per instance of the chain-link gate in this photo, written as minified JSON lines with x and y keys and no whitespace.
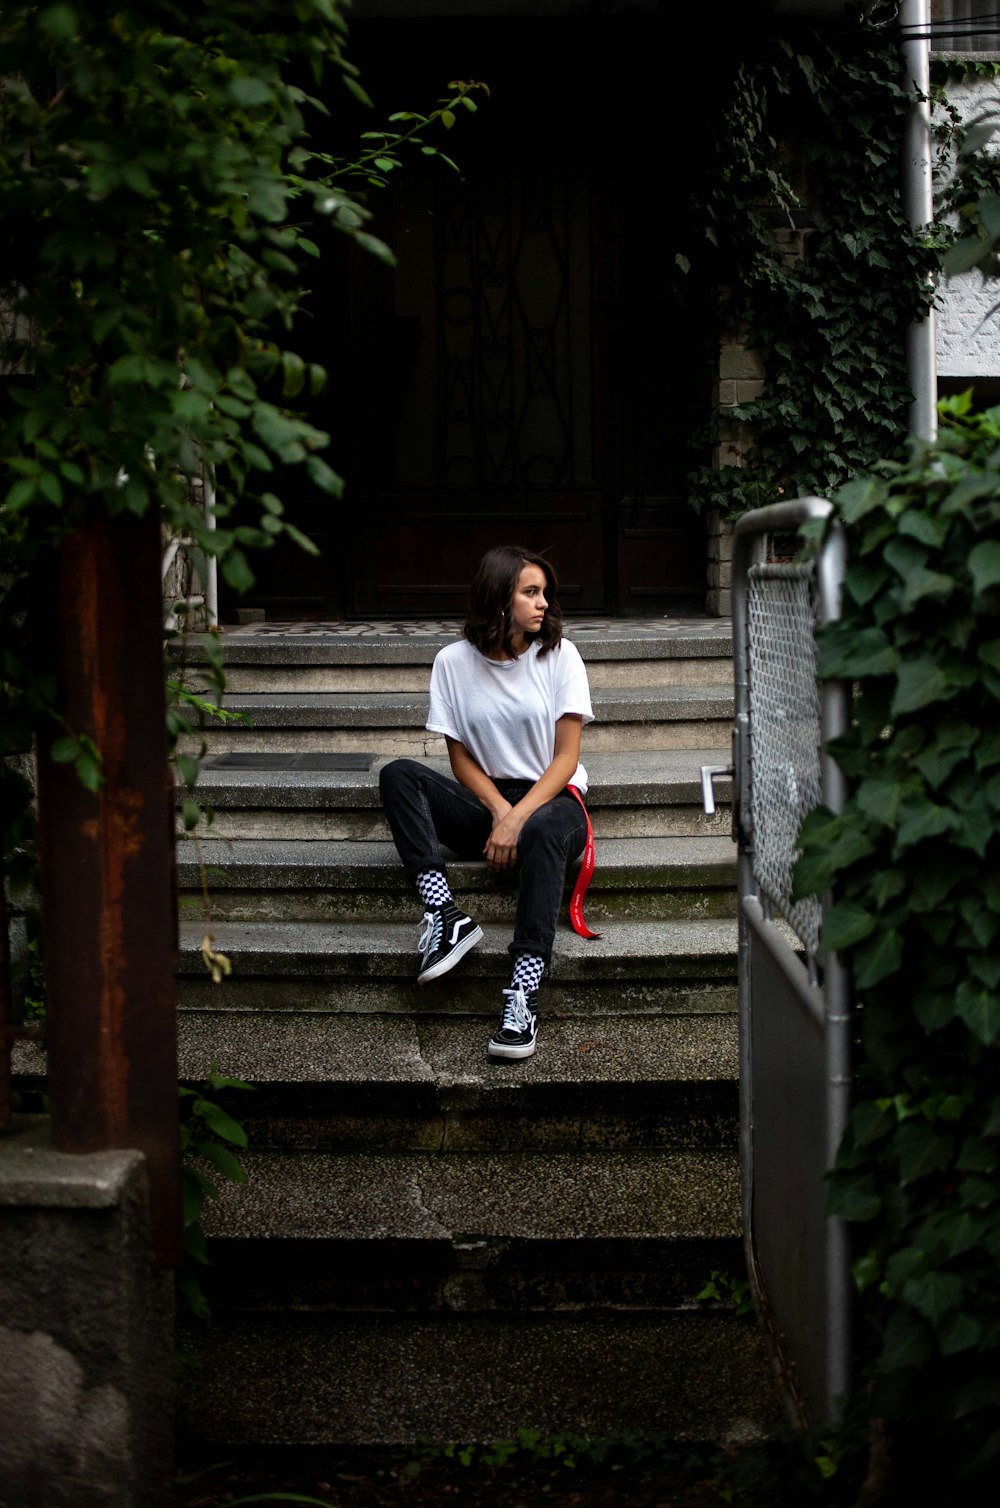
{"x":794,"y":1023}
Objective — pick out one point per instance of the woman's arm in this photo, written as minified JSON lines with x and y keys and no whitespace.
{"x":468,"y":772}
{"x":501,"y":846}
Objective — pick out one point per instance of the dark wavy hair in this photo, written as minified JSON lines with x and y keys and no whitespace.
{"x":488,"y":625}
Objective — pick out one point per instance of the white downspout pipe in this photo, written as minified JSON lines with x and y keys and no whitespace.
{"x":918,"y":206}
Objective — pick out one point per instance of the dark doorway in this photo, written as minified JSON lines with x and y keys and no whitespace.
{"x":534,"y":368}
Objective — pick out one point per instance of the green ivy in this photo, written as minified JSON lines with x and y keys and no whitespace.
{"x":211,"y":1141}
{"x":914,"y":861}
{"x":808,"y":153}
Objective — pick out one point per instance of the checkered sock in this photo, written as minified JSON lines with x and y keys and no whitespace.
{"x":528,"y":971}
{"x":432,"y":887}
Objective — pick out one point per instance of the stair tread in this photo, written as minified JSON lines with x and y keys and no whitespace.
{"x":630,"y":700}
{"x":371,"y":644}
{"x":615,"y":779}
{"x":673,"y":1376}
{"x":436,"y":1196}
{"x":310,"y":1047}
{"x":300,"y":949}
{"x":281,"y":863}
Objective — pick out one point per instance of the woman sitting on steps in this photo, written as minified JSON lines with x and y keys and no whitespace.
{"x":511,"y":698}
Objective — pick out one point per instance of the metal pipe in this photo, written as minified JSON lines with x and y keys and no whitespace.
{"x":6,"y":1021}
{"x":834,"y":719}
{"x":211,"y":563}
{"x":917,"y":189}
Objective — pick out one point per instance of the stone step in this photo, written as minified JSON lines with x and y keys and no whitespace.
{"x":363,"y":1379}
{"x":408,"y":643}
{"x":636,"y":968}
{"x":468,"y":1197}
{"x":303,"y":880}
{"x":559,"y":1288}
{"x":337,"y":1082}
{"x":335,"y":796}
{"x":392,"y":724}
{"x":316,"y":677}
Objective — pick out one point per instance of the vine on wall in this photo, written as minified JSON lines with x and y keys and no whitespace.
{"x":821,"y":271}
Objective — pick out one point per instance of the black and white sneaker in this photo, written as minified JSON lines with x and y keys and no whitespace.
{"x":515,"y":1036}
{"x":446,"y":936}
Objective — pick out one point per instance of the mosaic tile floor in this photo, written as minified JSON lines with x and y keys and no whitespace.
{"x":436,"y":628}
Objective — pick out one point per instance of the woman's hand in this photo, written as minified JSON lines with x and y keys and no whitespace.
{"x":501,"y":845}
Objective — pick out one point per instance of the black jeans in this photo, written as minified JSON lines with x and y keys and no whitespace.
{"x":425,"y":809}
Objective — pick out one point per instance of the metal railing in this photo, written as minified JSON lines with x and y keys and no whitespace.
{"x":201,"y":569}
{"x":794,"y":1000}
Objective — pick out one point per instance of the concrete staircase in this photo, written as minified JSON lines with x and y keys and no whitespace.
{"x":431,"y":1243}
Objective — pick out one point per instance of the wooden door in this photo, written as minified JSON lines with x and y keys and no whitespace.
{"x":476,"y":417}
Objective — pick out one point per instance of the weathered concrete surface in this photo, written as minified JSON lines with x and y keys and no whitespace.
{"x":381,"y":1378}
{"x":535,"y":1196}
{"x":86,"y":1366}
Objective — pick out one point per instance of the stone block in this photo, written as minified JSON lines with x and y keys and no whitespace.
{"x":729,"y":453}
{"x":740,"y":363}
{"x":720,"y":546}
{"x":749,"y":390}
{"x":791,"y":243}
{"x":86,"y":1331}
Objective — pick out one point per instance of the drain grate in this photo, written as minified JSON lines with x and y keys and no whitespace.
{"x":289,"y":762}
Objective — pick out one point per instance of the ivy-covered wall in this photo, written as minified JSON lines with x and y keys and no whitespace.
{"x":821,"y":274}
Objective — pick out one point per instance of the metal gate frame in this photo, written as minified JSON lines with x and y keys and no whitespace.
{"x":795,"y":1032}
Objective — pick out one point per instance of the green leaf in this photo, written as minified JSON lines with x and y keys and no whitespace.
{"x":236,"y":570}
{"x":189,"y":769}
{"x":923,"y":584}
{"x":934,"y":1294}
{"x":302,"y":540}
{"x":979,"y":1008}
{"x":845,"y":925}
{"x":984,"y":565}
{"x":250,"y":91}
{"x":854,"y":1196}
{"x":919,"y":683}
{"x":223,"y":1159}
{"x":293,"y":374}
{"x":866,"y":1271}
{"x":324,"y":476}
{"x":860,"y":497}
{"x":879,"y":959}
{"x":353,"y":87}
{"x":21,"y":494}
{"x":65,"y":750}
{"x":920,"y":819}
{"x":222,"y":1124}
{"x":60,"y":22}
{"x":878,"y":797}
{"x":88,"y":771}
{"x":921,"y":1150}
{"x":376,"y":247}
{"x":959,"y":1332}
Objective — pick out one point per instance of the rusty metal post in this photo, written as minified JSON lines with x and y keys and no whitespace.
{"x":6,"y":1025}
{"x":109,"y":918}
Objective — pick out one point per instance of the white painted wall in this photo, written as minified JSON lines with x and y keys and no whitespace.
{"x":968,"y":322}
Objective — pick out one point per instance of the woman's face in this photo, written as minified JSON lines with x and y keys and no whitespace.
{"x":528,"y":604}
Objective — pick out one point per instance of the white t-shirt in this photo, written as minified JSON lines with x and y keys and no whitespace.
{"x":505,"y":711}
